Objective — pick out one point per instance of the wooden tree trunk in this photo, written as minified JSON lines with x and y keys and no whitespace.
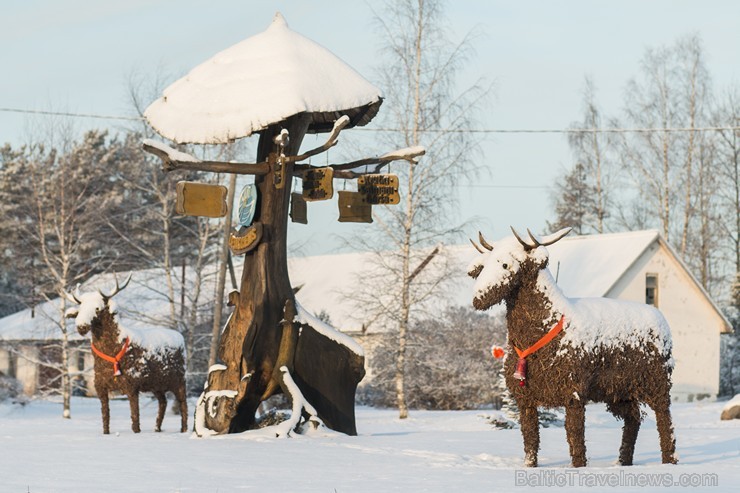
{"x":250,"y":347}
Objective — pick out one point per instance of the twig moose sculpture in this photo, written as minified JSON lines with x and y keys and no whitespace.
{"x":571,"y":351}
{"x":281,"y":85}
{"x":130,"y":361}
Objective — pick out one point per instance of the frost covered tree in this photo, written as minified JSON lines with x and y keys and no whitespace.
{"x":423,"y":107}
{"x":449,"y":363}
{"x":728,"y":171}
{"x":671,"y":91}
{"x":60,"y":203}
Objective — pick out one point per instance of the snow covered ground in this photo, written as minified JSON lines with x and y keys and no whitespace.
{"x":431,"y":451}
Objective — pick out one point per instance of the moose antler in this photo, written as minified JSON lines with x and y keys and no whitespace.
{"x":549,"y":240}
{"x":117,"y":289}
{"x":476,"y":246}
{"x":526,"y":245}
{"x":73,"y":298}
{"x":483,"y":242}
{"x":537,"y":242}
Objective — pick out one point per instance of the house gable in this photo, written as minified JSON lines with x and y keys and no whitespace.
{"x":695,"y":321}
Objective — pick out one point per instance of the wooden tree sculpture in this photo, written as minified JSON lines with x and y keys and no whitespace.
{"x":281,"y":85}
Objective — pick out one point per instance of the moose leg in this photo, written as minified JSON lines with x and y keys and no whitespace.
{"x":629,"y":412}
{"x":661,"y":407}
{"x":133,"y":402}
{"x":575,"y":430}
{"x":530,"y":424}
{"x":105,"y":410}
{"x":162,"y":399}
{"x":182,"y":398}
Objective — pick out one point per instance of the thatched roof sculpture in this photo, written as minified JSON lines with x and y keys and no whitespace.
{"x":261,"y":81}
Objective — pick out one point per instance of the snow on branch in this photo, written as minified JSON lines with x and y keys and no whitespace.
{"x":173,"y":159}
{"x":164,"y":151}
{"x":300,"y":404}
{"x":345,"y":170}
{"x":331,"y":141}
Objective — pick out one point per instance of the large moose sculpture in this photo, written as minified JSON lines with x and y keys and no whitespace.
{"x":130,"y":361}
{"x":571,"y":351}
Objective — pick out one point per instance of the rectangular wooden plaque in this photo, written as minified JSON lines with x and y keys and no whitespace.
{"x":318,"y":184}
{"x":352,"y":208}
{"x":298,"y":209}
{"x":201,"y":199}
{"x":379,"y":189}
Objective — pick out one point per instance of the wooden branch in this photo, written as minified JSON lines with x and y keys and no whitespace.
{"x":172,"y":159}
{"x":344,"y":170}
{"x":424,"y":263}
{"x":331,"y":141}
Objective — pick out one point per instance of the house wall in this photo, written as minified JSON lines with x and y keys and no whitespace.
{"x":26,"y":369}
{"x":21,"y":363}
{"x":5,"y":365}
{"x":695,"y":326}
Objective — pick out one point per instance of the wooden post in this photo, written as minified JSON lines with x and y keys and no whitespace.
{"x":223,"y":260}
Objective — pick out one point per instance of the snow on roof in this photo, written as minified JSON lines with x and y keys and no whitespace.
{"x":587,"y":266}
{"x":141,"y":305}
{"x":258,"y":82}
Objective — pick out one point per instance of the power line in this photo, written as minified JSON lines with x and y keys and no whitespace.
{"x":442,"y":130}
{"x":73,"y":115}
{"x":565,"y":130}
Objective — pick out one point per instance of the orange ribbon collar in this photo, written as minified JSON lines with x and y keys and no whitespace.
{"x":111,"y":359}
{"x":544,"y":340}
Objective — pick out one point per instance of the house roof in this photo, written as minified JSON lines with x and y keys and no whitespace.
{"x":590,"y":265}
{"x":585,"y":266}
{"x":142,"y":304}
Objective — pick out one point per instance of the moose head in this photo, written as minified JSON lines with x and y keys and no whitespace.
{"x":93,"y":307}
{"x":501,"y":269}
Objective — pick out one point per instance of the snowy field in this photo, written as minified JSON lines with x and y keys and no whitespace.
{"x":431,"y":451}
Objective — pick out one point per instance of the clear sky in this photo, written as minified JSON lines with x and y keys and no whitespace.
{"x":78,"y":56}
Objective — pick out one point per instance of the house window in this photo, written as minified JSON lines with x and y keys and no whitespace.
{"x":651,"y":289}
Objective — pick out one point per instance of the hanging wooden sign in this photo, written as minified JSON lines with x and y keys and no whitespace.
{"x":201,"y":199}
{"x":318,"y":184}
{"x":298,"y":209}
{"x":353,"y":208}
{"x":379,"y":189}
{"x":244,"y":239}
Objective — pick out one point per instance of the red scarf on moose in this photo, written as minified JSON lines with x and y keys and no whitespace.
{"x":521,"y":365}
{"x":113,"y":359}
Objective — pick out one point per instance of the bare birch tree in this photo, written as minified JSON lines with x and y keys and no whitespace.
{"x":63,"y":206}
{"x":422,"y":108}
{"x":728,"y":170}
{"x":672,"y":91}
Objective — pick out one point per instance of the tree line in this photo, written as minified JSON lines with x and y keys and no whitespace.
{"x":677,"y":179}
{"x":682,"y":179}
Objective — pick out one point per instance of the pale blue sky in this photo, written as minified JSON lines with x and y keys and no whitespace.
{"x":77,"y":55}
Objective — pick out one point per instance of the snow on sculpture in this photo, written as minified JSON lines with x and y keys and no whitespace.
{"x":564,"y":352}
{"x":282,"y":86}
{"x":130,"y":361}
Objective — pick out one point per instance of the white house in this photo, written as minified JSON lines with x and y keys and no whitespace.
{"x":637,"y":266}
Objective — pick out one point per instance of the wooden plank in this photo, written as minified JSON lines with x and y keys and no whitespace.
{"x":352,"y":208}
{"x":201,"y":199}
{"x":318,"y":184}
{"x":379,"y":189}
